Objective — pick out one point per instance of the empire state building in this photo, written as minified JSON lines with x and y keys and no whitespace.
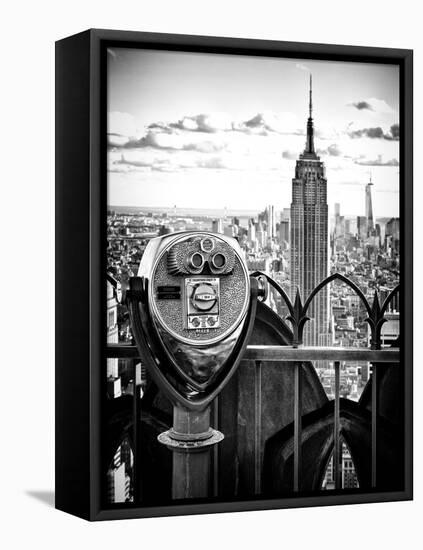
{"x":309,"y":237}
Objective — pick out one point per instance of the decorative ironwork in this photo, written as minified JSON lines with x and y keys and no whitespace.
{"x":298,"y":311}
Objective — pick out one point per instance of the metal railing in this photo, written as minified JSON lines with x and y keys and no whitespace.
{"x":260,"y":355}
{"x":298,"y":354}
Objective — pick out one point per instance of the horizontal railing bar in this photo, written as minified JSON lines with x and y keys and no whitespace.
{"x":374,"y":378}
{"x":288,"y":353}
{"x":122,"y":351}
{"x":337,"y":449}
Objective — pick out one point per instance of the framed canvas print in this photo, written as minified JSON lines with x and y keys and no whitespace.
{"x":234,"y":274}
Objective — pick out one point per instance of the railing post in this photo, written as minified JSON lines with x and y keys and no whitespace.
{"x":215,"y":411}
{"x":136,"y":411}
{"x":257,"y":427}
{"x":336,"y":430}
{"x":374,"y":425}
{"x":190,"y":440}
{"x":297,"y":424}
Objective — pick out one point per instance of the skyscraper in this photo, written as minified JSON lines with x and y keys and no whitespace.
{"x":113,"y":379}
{"x":309,"y":236}
{"x":339,"y":221}
{"x":217,"y":226}
{"x":251,"y":230}
{"x":271,"y":221}
{"x":286,"y":214}
{"x":362,"y":227}
{"x":261,"y":234}
{"x":369,"y":207}
{"x":284,"y":231}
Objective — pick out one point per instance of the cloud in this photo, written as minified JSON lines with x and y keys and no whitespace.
{"x":122,"y":164}
{"x":377,"y":133}
{"x":204,"y":133}
{"x":134,"y":162}
{"x":258,"y":121}
{"x":333,"y":150}
{"x":376,"y":162}
{"x":216,"y":163}
{"x":208,"y":123}
{"x":216,"y":141}
{"x":290,"y":155}
{"x":242,"y":160}
{"x":203,"y":122}
{"x":265,"y":123}
{"x":211,"y":123}
{"x":160,"y":127}
{"x":177,"y":141}
{"x":373,"y":104}
{"x":395,"y":132}
{"x":144,"y":163}
{"x":116,"y":140}
{"x":371,"y":133}
{"x":360,"y":105}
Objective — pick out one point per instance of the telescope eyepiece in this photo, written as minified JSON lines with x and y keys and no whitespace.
{"x":218,"y":260}
{"x":196,"y":260}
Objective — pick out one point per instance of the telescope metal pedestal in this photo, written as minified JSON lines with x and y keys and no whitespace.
{"x":190,"y":439}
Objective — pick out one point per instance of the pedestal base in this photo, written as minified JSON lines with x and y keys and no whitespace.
{"x":190,"y":440}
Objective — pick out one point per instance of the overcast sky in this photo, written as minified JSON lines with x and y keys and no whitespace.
{"x":207,"y":130}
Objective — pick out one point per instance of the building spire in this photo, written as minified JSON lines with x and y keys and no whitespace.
{"x":310,"y":130}
{"x":369,"y":207}
{"x":310,"y":105}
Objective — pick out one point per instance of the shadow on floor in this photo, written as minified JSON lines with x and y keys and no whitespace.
{"x":46,"y":497}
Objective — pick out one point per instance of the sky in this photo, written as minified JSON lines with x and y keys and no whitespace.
{"x":224,"y":131}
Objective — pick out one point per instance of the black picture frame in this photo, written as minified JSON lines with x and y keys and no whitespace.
{"x":80,"y":260}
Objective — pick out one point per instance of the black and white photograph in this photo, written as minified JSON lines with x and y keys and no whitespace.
{"x":253,"y":271}
{"x":210,"y":320}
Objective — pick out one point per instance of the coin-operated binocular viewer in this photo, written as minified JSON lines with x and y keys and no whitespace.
{"x":192,"y":310}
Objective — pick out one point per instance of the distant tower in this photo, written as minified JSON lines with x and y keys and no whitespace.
{"x":369,"y":207}
{"x":251,"y":230}
{"x":260,"y":234}
{"x":113,"y":286}
{"x":114,"y":383}
{"x":271,"y":221}
{"x":362,"y":229}
{"x":217,"y":226}
{"x":284,"y":231}
{"x":309,"y":237}
{"x":338,"y":224}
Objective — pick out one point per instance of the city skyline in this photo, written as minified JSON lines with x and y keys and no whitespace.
{"x":174,"y":124}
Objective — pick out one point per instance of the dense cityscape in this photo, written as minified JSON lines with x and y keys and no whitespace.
{"x":368,"y":258}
